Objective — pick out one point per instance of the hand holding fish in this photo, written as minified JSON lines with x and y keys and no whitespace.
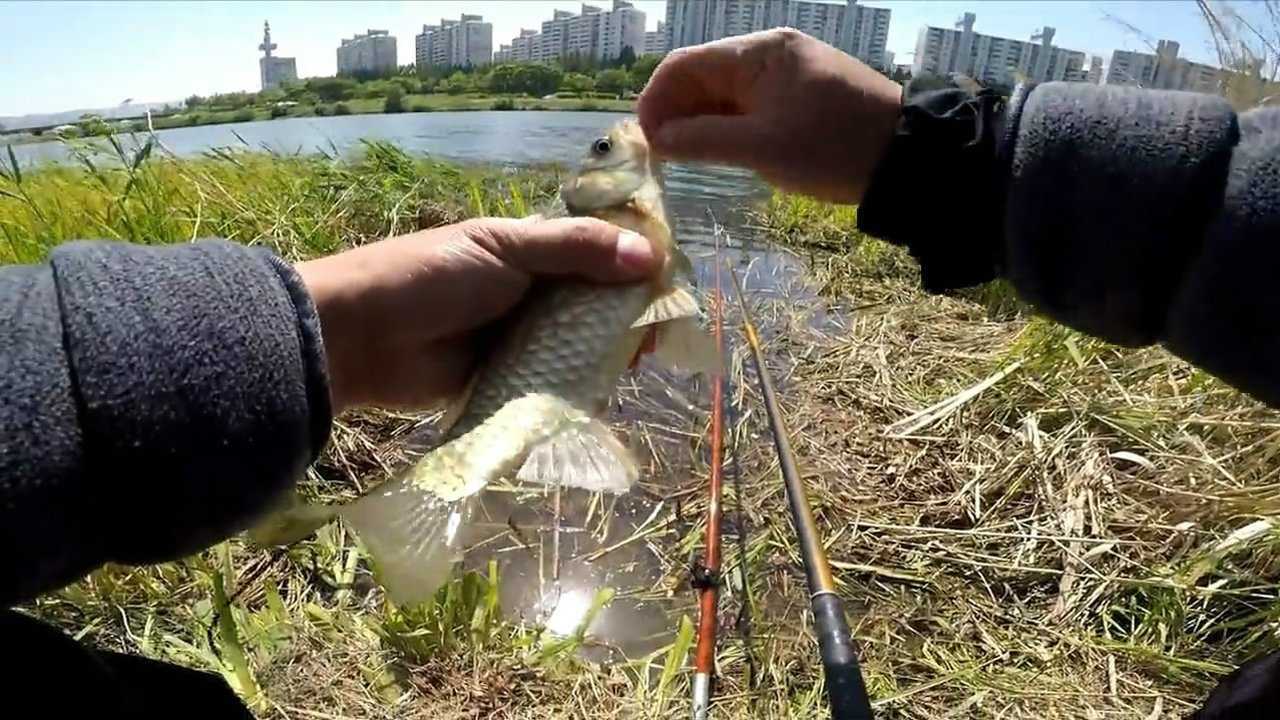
{"x":397,"y":316}
{"x":804,"y":115}
{"x":583,"y":301}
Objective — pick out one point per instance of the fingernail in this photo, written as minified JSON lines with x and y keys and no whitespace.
{"x":635,"y":250}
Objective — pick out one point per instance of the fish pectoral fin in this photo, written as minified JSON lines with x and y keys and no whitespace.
{"x":682,"y":343}
{"x":291,"y":520}
{"x":585,"y":455}
{"x":677,"y":302}
{"x":411,"y":535}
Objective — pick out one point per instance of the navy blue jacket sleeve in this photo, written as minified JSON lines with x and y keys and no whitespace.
{"x":153,"y":400}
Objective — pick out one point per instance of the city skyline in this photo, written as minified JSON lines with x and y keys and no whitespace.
{"x":206,"y":50}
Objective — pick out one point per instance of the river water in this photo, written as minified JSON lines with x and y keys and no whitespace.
{"x":554,"y":562}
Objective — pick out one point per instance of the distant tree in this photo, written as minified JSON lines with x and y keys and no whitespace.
{"x":901,"y":75}
{"x":460,"y":83}
{"x":271,"y":96}
{"x":614,"y":81}
{"x":395,"y":101}
{"x":538,"y":79}
{"x":194,"y":101}
{"x":578,"y":83}
{"x":627,"y":57}
{"x":576,"y":62}
{"x":642,"y":69}
{"x":332,"y":89}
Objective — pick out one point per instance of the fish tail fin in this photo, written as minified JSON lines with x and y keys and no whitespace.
{"x":585,"y":454}
{"x":411,"y":535}
{"x":412,"y":525}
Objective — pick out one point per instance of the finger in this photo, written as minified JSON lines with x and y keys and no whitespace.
{"x":713,"y":78}
{"x":585,"y":247}
{"x":730,"y":139}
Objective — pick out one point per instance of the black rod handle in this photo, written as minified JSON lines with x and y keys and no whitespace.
{"x":845,"y":689}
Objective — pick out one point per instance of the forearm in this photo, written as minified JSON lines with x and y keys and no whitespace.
{"x":1137,"y":216}
{"x":155,"y":400}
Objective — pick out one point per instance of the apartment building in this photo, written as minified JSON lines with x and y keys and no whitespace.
{"x":861,"y":31}
{"x":467,"y":41}
{"x":373,"y":53}
{"x":592,"y":33}
{"x":1094,"y":75}
{"x":655,"y":41}
{"x":1163,"y":70}
{"x":994,"y":60}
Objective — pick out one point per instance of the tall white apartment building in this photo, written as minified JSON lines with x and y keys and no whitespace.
{"x":1164,"y":70}
{"x":860,"y":31}
{"x":372,"y":53}
{"x":593,"y":33}
{"x":994,"y":60}
{"x":467,"y":41}
{"x":655,"y":41}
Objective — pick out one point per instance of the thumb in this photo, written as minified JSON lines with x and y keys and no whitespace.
{"x":730,"y":139}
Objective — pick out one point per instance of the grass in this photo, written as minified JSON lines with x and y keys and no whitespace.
{"x":1025,"y":522}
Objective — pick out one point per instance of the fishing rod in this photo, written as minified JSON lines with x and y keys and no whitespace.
{"x":707,"y":577}
{"x":845,"y":689}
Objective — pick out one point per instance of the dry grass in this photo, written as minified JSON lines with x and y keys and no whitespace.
{"x":1087,"y":535}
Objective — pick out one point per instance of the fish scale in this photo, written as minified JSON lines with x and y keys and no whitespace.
{"x":565,"y":351}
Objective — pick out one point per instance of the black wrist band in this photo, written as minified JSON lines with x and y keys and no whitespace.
{"x":939,"y":189}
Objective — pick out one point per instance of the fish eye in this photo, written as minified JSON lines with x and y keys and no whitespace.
{"x":602,"y":146}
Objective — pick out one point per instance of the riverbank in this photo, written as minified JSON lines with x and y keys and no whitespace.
{"x":416,"y":103}
{"x":1069,"y":529}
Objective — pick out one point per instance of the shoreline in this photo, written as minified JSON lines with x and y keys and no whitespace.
{"x":368,"y":106}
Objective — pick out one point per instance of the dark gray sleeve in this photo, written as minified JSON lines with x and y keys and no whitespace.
{"x":1139,"y":216}
{"x":152,"y":401}
{"x":1145,"y":216}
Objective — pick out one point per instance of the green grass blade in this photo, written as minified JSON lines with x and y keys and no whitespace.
{"x":676,"y":656}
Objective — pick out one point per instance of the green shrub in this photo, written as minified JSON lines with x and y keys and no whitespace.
{"x":394,"y":102}
{"x":341,"y":109}
{"x":422,"y":107}
{"x":277,"y":111}
{"x":323,"y":110}
{"x":242,"y":115}
{"x":503,"y":104}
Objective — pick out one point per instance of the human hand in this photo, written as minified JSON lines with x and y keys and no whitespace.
{"x":806,"y":116}
{"x":397,"y":316}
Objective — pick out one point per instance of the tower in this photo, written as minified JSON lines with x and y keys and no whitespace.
{"x":267,"y":46}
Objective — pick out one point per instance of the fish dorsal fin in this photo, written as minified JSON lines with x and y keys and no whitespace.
{"x":584,"y":455}
{"x":674,"y":303}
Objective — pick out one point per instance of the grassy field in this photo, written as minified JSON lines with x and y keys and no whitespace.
{"x":1024,"y":522}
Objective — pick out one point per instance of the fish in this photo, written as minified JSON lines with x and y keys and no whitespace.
{"x":533,"y":408}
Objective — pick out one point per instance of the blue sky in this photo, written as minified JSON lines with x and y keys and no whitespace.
{"x":65,"y":55}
